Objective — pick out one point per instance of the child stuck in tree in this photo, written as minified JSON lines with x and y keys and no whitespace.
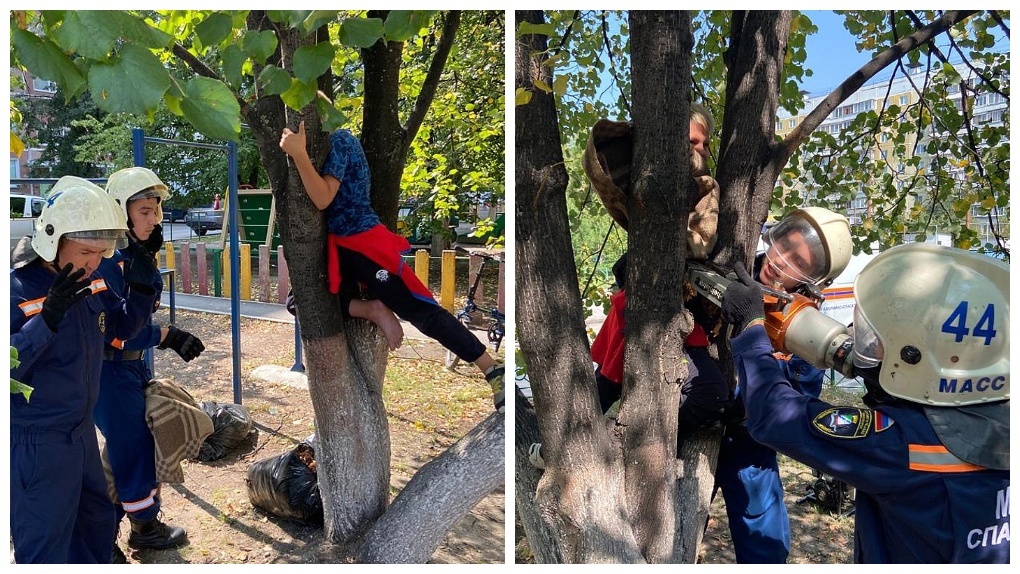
{"x":362,"y":250}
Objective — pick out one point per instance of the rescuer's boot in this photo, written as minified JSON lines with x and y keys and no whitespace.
{"x":155,"y":534}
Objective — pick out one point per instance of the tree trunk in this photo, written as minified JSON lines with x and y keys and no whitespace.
{"x":438,"y":495}
{"x":580,"y":497}
{"x":346,"y":359}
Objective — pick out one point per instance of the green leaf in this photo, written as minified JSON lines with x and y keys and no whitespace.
{"x":133,"y":82}
{"x":560,"y":85}
{"x":292,"y":18}
{"x":233,"y":63}
{"x":258,"y":45}
{"x":47,"y":61}
{"x":522,"y":96}
{"x":317,"y":18}
{"x":332,"y":118}
{"x":211,"y":107}
{"x":401,"y":25}
{"x":214,"y":29}
{"x":273,"y":80}
{"x":94,"y":33}
{"x":361,"y":32}
{"x":18,"y":387}
{"x":310,"y":62}
{"x":527,"y":28}
{"x":299,"y":94}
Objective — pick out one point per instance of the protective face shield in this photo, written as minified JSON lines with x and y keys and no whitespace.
{"x":80,"y":210}
{"x":936,"y":322}
{"x":133,"y":183}
{"x":810,"y":245}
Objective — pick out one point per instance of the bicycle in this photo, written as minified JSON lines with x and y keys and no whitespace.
{"x":496,"y":317}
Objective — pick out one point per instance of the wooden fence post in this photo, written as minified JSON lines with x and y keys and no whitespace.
{"x":283,"y":276}
{"x":203,"y":269}
{"x":449,"y":266}
{"x":264,"y":273}
{"x":185,"y":267}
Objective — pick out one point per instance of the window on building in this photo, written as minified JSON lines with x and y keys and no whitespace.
{"x":793,"y":123}
{"x":44,"y":85}
{"x":15,"y":168}
{"x":904,"y":100}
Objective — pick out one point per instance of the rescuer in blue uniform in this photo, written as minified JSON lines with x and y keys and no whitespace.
{"x":929,"y":454}
{"x":61,"y":309}
{"x":810,"y":247}
{"x":120,"y":411}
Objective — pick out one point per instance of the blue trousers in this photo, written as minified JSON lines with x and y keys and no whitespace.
{"x":748,"y":474}
{"x":120,"y":415}
{"x":60,"y":511}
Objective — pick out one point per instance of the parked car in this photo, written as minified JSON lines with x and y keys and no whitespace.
{"x":24,"y":210}
{"x":172,"y":214}
{"x":203,"y":219}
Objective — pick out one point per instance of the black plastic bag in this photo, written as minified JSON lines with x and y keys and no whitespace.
{"x":287,"y":485}
{"x":231,"y":426}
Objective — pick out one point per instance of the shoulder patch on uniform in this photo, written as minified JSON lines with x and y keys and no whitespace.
{"x":844,"y":422}
{"x":882,"y":421}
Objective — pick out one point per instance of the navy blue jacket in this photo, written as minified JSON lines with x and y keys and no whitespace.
{"x":64,"y":367}
{"x":112,"y":270}
{"x":916,"y":502}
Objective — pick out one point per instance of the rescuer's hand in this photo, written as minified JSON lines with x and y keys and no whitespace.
{"x":67,"y":289}
{"x":742,"y":302}
{"x":184,"y":343}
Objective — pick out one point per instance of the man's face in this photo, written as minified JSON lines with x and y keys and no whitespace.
{"x":699,"y":145}
{"x":786,"y":262}
{"x":80,"y":255}
{"x":144,"y":215}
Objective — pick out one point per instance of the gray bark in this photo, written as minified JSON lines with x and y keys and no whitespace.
{"x":439,"y":495}
{"x":580,"y":495}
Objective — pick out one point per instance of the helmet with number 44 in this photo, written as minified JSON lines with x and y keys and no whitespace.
{"x":936,"y":322}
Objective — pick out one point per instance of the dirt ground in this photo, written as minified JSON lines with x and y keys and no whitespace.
{"x":429,"y":409}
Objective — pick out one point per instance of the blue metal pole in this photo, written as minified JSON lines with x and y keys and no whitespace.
{"x":299,"y":364}
{"x":138,"y":146}
{"x":235,"y":268}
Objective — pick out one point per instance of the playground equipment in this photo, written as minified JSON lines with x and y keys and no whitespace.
{"x":495,"y":317}
{"x":138,"y":141}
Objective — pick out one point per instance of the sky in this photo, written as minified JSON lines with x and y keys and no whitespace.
{"x":832,"y":57}
{"x":831,"y":54}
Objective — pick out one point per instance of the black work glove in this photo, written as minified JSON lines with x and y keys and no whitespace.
{"x":140,"y":270}
{"x":184,"y":343}
{"x":155,"y":241}
{"x":742,"y":301}
{"x":67,"y":289}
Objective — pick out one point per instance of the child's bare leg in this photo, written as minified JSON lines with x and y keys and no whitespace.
{"x":485,"y":362}
{"x":378,"y":313}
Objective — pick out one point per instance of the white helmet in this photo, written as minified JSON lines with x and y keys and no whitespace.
{"x":937,"y":321}
{"x":137,"y":183}
{"x":813,"y":245}
{"x":80,"y":210}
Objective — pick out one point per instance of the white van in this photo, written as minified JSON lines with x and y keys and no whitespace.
{"x":24,"y":210}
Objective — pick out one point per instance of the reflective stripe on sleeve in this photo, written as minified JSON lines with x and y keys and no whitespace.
{"x":936,"y":458}
{"x":32,"y":307}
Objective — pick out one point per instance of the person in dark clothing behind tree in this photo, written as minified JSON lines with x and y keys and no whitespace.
{"x":61,"y":309}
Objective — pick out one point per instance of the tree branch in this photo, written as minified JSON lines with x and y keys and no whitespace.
{"x":858,"y":78}
{"x":199,"y":67}
{"x":428,"y":88}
